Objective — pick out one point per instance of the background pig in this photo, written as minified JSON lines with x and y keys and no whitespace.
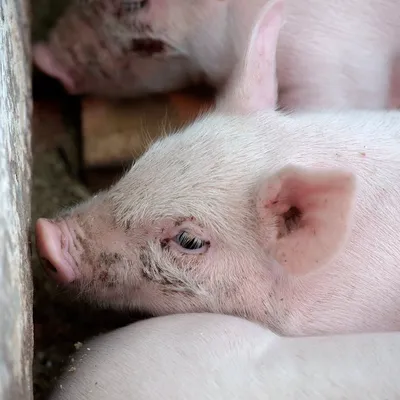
{"x":290,"y":220}
{"x":123,"y":48}
{"x":330,"y":54}
{"x":206,"y":356}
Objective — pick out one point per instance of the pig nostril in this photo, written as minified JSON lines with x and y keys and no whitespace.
{"x":48,"y":265}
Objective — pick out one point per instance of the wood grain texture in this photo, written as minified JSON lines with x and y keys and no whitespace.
{"x":16,"y":336}
{"x":118,"y":131}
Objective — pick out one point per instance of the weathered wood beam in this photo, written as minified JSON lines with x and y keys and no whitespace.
{"x":16,"y":336}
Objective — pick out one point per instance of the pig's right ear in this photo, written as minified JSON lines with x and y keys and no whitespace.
{"x":45,"y":61}
{"x":305,"y":215}
{"x":253,"y":84}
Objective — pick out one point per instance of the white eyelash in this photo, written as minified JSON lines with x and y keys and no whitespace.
{"x":130,"y":6}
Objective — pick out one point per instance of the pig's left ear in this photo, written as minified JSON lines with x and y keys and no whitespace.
{"x":305,"y":215}
{"x":253,"y":84}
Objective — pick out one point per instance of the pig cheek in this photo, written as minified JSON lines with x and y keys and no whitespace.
{"x":107,"y":276}
{"x":107,"y":270}
{"x":168,"y":276}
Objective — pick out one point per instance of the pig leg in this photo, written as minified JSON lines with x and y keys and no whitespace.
{"x":211,"y":356}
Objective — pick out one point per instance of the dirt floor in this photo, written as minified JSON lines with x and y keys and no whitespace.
{"x":61,"y":323}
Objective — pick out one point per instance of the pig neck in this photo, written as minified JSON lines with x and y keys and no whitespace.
{"x":224,"y":37}
{"x":356,"y":292}
{"x":359,"y":289}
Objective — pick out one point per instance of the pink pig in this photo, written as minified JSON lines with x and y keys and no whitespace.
{"x":287,"y":219}
{"x":331,"y":54}
{"x":220,"y":357}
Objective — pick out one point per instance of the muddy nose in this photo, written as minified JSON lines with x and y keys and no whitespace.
{"x":51,"y":244}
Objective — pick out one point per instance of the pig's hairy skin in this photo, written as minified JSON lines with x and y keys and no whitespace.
{"x":330,"y":54}
{"x":206,"y":179}
{"x":208,"y":356}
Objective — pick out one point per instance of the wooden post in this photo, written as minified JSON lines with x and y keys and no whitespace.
{"x":16,"y":336}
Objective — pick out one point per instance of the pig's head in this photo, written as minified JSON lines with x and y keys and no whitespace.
{"x":206,"y":220}
{"x":128,"y":48}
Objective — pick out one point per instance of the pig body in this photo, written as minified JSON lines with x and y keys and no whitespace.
{"x":287,"y":219}
{"x":206,"y":356}
{"x":330,"y":54}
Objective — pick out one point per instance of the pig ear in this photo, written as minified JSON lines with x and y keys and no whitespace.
{"x":253,"y":86}
{"x":305,"y":215}
{"x":45,"y":61}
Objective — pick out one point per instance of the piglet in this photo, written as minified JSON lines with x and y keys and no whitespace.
{"x":335,"y":54}
{"x":122,"y":48}
{"x":289,"y":219}
{"x":209,"y":356}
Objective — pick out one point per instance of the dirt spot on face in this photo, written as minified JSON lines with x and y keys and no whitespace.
{"x":106,"y":279}
{"x":151,"y":271}
{"x":103,"y":276}
{"x":164,"y":243}
{"x":79,"y":239}
{"x":105,"y":271}
{"x":179,"y":221}
{"x":84,"y":247}
{"x":147,"y":47}
{"x":108,"y":259}
{"x":154,"y":272}
{"x":127,"y":226}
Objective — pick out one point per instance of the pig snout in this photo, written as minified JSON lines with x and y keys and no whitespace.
{"x":53,"y":242}
{"x":89,"y":252}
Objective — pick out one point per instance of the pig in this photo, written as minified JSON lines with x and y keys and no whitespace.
{"x":330,"y":54}
{"x":210,"y":356}
{"x":286,"y":218}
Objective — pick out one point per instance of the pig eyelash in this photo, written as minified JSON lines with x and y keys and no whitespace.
{"x":190,"y":244}
{"x":133,"y":6}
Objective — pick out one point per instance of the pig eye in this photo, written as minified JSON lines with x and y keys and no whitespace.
{"x":132,"y":6}
{"x":142,"y":4}
{"x":189,"y":242}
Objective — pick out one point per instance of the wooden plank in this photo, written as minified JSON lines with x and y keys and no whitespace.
{"x":16,"y":332}
{"x":117,"y":131}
